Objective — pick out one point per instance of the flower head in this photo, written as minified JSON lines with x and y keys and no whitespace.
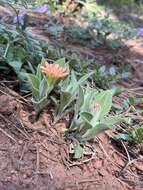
{"x":96,"y":106}
{"x":54,"y":71}
{"x":43,"y":9}
{"x":21,"y":19}
{"x":112,"y":71}
{"x":140,"y":32}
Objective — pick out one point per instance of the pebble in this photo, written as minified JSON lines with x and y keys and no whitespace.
{"x":20,"y":142}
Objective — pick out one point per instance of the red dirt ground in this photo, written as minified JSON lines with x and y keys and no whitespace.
{"x":39,"y":159}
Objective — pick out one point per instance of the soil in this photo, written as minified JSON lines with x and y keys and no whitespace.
{"x":37,"y":156}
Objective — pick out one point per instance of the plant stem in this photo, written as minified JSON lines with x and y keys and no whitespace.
{"x":6,"y":50}
{"x":16,"y":13}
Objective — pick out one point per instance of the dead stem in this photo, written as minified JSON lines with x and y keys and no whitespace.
{"x":108,"y":157}
{"x":6,"y":134}
{"x":14,"y":95}
{"x":37,"y":159}
{"x":8,"y":121}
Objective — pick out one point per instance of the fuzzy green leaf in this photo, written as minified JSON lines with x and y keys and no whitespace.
{"x":38,"y":72}
{"x":89,"y":95}
{"x":80,"y":100}
{"x":138,"y":134}
{"x":91,"y":133}
{"x":105,"y":100}
{"x":65,"y":100}
{"x":43,"y":88}
{"x":78,"y":152}
{"x":34,"y":81}
{"x":41,"y":103}
{"x":61,"y":62}
{"x":124,"y":137}
{"x":112,"y":120}
{"x":16,"y":65}
{"x":87,"y":116}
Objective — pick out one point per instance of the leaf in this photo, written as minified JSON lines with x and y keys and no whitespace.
{"x":74,"y":84}
{"x":132,"y":101}
{"x":26,"y":21}
{"x":91,"y":133}
{"x":89,"y":95}
{"x":86,"y":116}
{"x":102,"y":70}
{"x":34,"y":84}
{"x":80,"y":100}
{"x":54,"y":29}
{"x":71,"y":81}
{"x":43,"y":88}
{"x":16,"y":65}
{"x":119,"y":91}
{"x":112,"y":120}
{"x":41,"y":103}
{"x":84,"y":78}
{"x":104,"y":98}
{"x":31,"y":67}
{"x":85,"y":125}
{"x":78,"y":152}
{"x":38,"y":72}
{"x":124,"y":137}
{"x":137,"y":134}
{"x":69,"y":93}
{"x":61,"y":62}
{"x":34,"y":81}
{"x":96,"y":117}
{"x":65,"y":100}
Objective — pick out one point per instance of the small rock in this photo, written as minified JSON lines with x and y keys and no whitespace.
{"x":103,"y":172}
{"x":12,"y":171}
{"x":25,"y":176}
{"x":20,"y":142}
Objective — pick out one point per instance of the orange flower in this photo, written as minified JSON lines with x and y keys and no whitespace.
{"x":96,"y":106}
{"x":54,"y":71}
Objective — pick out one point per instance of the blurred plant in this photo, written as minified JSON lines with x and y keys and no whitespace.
{"x":137,"y":134}
{"x":90,"y":8}
{"x":14,"y":1}
{"x":96,"y":30}
{"x":22,"y":19}
{"x":20,"y":52}
{"x":79,"y":65}
{"x":130,"y":3}
{"x":105,"y":78}
{"x":52,"y":3}
{"x":44,"y":81}
{"x":54,"y":29}
{"x":77,"y":33}
{"x":110,"y":32}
